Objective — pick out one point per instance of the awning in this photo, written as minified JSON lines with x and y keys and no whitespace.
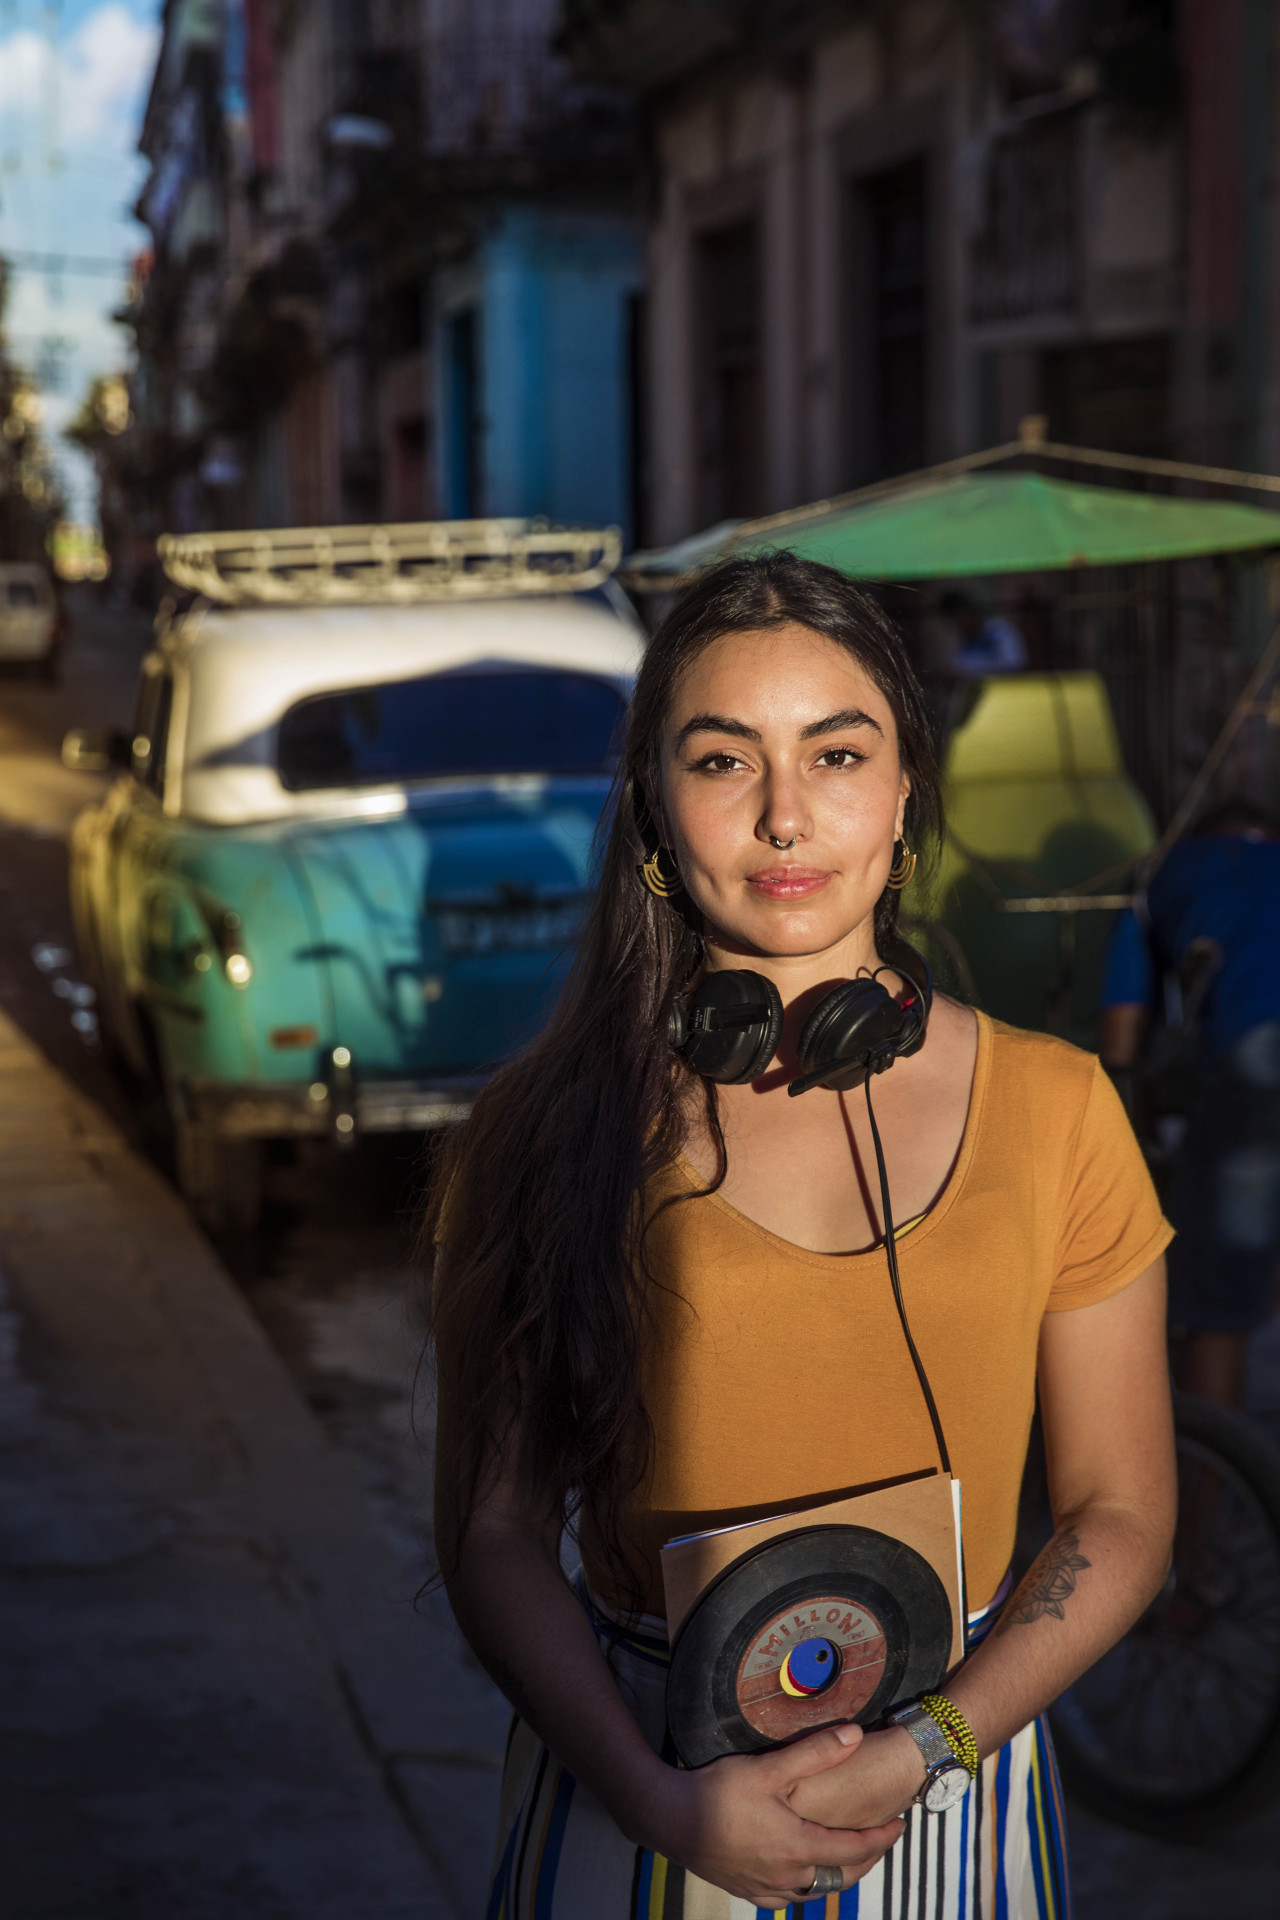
{"x":983,"y":523}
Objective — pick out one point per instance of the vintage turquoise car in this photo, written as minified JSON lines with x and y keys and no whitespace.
{"x":350,"y":840}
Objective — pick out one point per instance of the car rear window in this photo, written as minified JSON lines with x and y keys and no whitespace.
{"x":22,"y":593}
{"x":443,"y":725}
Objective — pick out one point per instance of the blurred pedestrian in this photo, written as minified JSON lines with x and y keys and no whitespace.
{"x":1214,"y":904}
{"x":989,"y":642}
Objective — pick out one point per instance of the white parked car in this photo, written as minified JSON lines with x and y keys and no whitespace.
{"x":350,"y":842}
{"x":30,"y":623}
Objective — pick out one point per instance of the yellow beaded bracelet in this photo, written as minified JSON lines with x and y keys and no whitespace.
{"x":956,"y":1729}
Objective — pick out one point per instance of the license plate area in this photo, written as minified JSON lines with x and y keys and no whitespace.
{"x":507,"y":927}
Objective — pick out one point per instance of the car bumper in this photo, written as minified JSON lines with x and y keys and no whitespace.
{"x":253,"y":1112}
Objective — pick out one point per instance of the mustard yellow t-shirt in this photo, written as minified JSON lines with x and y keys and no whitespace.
{"x":776,"y":1377}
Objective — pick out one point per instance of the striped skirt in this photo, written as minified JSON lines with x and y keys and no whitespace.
{"x":999,"y":1855}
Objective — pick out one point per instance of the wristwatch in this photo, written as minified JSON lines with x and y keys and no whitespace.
{"x":946,"y":1779}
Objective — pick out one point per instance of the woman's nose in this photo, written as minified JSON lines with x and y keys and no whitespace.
{"x":785,"y":818}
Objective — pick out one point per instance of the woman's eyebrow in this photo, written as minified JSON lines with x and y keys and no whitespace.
{"x":716,"y":723}
{"x":836,"y":722}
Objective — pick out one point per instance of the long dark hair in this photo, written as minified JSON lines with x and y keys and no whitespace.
{"x":540,"y":1302}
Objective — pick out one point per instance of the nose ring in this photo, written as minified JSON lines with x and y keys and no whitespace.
{"x":783,"y":845}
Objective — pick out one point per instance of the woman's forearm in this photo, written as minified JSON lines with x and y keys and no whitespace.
{"x":1108,"y":1428}
{"x":531,"y":1635}
{"x":1084,"y":1591}
{"x":1080,"y":1595}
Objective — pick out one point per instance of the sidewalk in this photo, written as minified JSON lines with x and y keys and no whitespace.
{"x":216,"y":1697}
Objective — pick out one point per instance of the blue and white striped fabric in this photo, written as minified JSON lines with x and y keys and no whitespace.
{"x":999,"y":1855}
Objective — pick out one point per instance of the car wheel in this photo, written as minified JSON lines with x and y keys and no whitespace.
{"x":221,"y":1180}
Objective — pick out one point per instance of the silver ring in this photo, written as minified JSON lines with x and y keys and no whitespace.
{"x":783,"y":845}
{"x":825,"y":1880}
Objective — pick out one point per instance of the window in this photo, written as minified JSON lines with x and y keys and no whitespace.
{"x":1024,"y":255}
{"x":891,"y":264}
{"x":731,"y":428}
{"x":22,"y":593}
{"x":451,"y":724}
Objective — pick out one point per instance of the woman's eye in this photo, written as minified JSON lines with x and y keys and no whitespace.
{"x":840,"y":757}
{"x":718,"y":763}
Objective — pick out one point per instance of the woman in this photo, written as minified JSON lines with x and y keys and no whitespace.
{"x":662,"y":1306}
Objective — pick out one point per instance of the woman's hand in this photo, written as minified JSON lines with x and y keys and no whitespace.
{"x":734,"y":1823}
{"x":880,"y":1780}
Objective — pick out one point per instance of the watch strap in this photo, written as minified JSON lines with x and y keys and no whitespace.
{"x":935,"y":1748}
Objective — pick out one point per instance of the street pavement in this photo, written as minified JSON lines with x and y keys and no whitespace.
{"x":218,"y":1697}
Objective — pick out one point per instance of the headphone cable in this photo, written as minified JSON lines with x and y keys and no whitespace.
{"x":891,"y":1249}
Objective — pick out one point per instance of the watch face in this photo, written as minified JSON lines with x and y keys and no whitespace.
{"x":948,"y":1786}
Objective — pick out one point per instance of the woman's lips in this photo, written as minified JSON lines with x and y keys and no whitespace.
{"x":789,"y":883}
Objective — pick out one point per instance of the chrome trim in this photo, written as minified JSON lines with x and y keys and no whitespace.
{"x":246,"y":1111}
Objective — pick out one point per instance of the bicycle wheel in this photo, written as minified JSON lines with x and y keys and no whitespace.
{"x":1177,"y":1729}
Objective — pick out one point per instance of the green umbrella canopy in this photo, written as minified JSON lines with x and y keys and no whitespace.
{"x":988,"y":523}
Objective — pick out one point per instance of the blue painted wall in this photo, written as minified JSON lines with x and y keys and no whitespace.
{"x":550,"y":291}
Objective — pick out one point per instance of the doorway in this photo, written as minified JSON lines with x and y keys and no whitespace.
{"x":731,"y":422}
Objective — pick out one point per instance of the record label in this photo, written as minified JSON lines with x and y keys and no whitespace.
{"x":856,"y":1639}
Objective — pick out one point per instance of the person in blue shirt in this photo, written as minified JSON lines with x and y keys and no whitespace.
{"x":1221,"y":885}
{"x":988,"y":642}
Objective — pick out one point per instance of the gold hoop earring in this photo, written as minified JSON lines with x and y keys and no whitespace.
{"x":656,"y":880}
{"x":903,"y":867}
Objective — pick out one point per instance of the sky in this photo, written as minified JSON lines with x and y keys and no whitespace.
{"x":69,"y":174}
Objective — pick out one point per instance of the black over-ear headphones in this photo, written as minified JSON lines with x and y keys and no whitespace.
{"x":728,"y":1027}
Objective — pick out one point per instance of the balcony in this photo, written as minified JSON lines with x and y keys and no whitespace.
{"x":491,"y":93}
{"x":647,"y":45}
{"x":466,"y":111}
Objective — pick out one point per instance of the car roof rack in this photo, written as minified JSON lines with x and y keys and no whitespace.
{"x":426,"y":560}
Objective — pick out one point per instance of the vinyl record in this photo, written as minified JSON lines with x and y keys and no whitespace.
{"x":827,"y":1624}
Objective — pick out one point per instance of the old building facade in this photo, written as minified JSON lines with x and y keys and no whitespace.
{"x":396,"y":267}
{"x":879,"y":235}
{"x":406,"y":261}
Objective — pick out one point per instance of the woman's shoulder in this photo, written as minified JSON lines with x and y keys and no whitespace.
{"x":1047,"y":1050}
{"x":1050,"y":1109}
{"x":1050,"y":1073}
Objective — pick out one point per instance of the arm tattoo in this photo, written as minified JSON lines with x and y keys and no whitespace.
{"x":1049,"y":1584}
